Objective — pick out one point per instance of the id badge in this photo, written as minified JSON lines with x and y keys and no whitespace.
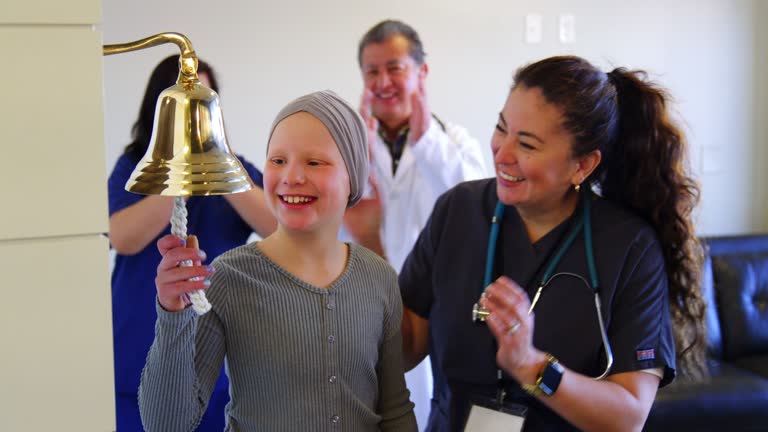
{"x":484,"y":419}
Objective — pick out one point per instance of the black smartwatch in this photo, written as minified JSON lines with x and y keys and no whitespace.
{"x":548,"y":379}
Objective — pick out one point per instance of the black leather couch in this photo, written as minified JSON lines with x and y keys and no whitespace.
{"x":735,"y":284}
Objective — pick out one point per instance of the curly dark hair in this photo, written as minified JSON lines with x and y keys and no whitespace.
{"x":163,"y":76}
{"x":644,"y":169}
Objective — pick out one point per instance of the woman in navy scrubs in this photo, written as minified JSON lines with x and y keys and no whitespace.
{"x":591,"y":200}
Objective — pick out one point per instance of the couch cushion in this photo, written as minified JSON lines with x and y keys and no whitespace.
{"x":732,"y":400}
{"x":714,"y":340}
{"x":740,"y":244}
{"x":756,"y":364}
{"x":741,"y":285}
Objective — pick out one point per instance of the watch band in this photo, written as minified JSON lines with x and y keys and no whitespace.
{"x":548,"y":379}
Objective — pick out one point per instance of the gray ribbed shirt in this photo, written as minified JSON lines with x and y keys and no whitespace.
{"x":299,"y":357}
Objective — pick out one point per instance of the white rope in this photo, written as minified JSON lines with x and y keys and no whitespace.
{"x":179,"y":228}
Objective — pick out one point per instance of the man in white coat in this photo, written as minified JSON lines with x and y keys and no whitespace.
{"x":415,"y":157}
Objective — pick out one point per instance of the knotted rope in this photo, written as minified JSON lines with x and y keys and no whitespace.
{"x":179,"y":228}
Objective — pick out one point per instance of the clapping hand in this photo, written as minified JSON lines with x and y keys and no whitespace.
{"x":371,"y":123}
{"x":420,"y":114}
{"x":512,"y":326}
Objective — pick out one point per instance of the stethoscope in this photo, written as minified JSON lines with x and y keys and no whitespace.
{"x":584,"y":223}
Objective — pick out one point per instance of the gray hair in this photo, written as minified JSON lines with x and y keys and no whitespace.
{"x":387,"y":29}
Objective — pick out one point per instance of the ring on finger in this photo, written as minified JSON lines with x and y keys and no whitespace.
{"x":513,"y":328}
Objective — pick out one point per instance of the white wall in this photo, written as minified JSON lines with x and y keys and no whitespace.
{"x":55,"y":326}
{"x":269,"y":52}
{"x":761,"y":117}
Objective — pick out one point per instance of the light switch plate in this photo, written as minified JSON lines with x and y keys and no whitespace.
{"x":534,"y":24}
{"x":567,"y":29}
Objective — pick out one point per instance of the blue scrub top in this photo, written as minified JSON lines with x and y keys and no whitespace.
{"x":443,"y":278}
{"x":218,"y":227}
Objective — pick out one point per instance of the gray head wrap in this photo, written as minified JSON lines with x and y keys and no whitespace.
{"x":347,"y":129}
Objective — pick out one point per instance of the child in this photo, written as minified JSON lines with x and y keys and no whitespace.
{"x":309,"y":326}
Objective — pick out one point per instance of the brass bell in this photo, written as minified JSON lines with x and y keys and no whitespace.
{"x":188,"y":153}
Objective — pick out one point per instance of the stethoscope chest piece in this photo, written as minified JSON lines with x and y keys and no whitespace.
{"x":479,"y":313}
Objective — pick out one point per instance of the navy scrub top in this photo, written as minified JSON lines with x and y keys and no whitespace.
{"x":443,"y":278}
{"x":218,"y":227}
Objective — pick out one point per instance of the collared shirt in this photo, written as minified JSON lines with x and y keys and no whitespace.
{"x":440,"y":159}
{"x":395,"y":146}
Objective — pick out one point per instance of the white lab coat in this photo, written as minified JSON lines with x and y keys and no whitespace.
{"x":428,"y":168}
{"x":434,"y":164}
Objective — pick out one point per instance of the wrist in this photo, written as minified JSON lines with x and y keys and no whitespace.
{"x":171,"y":306}
{"x":529,"y":370}
{"x":547,"y":380}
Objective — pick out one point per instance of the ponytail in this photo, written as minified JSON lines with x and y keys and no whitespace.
{"x":645,"y":171}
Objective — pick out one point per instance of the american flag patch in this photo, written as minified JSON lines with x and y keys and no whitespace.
{"x":645,"y":354}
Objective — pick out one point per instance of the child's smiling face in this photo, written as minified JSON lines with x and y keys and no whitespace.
{"x":305,"y":178}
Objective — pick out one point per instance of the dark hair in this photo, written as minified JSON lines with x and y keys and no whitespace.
{"x":643,"y":169}
{"x":165,"y":75}
{"x":387,"y":29}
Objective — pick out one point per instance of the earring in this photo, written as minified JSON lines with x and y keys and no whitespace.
{"x":577,"y":187}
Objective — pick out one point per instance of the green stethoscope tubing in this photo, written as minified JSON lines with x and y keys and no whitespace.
{"x":583,"y":224}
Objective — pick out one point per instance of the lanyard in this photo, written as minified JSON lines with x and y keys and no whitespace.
{"x":584,"y":224}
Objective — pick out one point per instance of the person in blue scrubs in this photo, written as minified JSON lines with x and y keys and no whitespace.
{"x":136,"y":222}
{"x":591,"y":200}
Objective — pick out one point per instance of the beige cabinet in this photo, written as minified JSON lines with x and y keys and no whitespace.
{"x":50,"y":12}
{"x":55,"y":328}
{"x":56,"y":333}
{"x":52,"y":166}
